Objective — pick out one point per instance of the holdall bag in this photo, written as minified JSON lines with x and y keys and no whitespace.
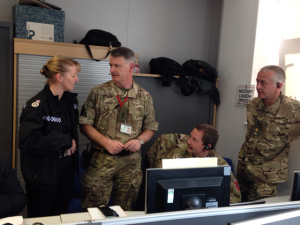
{"x":205,"y":77}
{"x":167,"y":68}
{"x":99,"y":38}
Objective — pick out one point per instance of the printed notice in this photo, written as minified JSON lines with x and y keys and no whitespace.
{"x":245,"y":94}
{"x":40,"y":31}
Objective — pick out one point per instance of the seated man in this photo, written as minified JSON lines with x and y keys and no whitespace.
{"x":201,"y":142}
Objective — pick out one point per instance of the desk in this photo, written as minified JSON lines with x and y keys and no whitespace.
{"x":205,"y":216}
{"x":44,"y":220}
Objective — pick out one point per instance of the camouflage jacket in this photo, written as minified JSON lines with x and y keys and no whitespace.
{"x":171,"y":146}
{"x":265,"y":153}
{"x":101,"y":110}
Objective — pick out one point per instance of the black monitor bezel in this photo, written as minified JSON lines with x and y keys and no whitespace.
{"x":295,"y":196}
{"x":154,"y":174}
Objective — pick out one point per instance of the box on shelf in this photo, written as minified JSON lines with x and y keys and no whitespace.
{"x":38,"y":23}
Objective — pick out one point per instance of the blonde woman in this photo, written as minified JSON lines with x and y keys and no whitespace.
{"x":48,"y":140}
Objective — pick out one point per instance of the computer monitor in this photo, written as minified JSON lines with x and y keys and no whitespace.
{"x":182,"y":189}
{"x":296,"y":187}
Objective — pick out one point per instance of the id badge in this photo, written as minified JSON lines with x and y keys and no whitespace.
{"x":256,"y":128}
{"x":125,"y":128}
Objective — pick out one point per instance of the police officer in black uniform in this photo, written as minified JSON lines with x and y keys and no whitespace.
{"x":48,"y":140}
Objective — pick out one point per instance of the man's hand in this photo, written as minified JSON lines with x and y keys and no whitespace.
{"x":72,"y":149}
{"x":114,"y":147}
{"x":132,"y":145}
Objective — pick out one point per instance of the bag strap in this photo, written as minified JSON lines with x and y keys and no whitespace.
{"x":90,"y":52}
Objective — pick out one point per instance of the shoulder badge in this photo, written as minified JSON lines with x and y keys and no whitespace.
{"x":35,"y":104}
{"x":236,"y":184}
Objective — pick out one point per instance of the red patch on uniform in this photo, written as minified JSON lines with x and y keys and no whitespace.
{"x":237,"y":186}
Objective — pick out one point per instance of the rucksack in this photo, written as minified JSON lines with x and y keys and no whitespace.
{"x":205,"y":77}
{"x":168,"y":68}
{"x":99,"y":38}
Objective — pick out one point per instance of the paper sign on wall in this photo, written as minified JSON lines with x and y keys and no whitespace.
{"x":245,"y":93}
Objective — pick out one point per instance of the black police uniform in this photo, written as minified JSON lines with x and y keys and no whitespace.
{"x":47,"y":127}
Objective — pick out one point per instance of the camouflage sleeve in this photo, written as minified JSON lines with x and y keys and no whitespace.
{"x":149,"y":119}
{"x":164,"y":144}
{"x":295,"y":127}
{"x":152,"y":154}
{"x":88,"y":112}
{"x":235,"y":194}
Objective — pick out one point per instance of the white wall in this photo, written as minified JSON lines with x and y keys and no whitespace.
{"x":6,"y":10}
{"x":235,"y":67}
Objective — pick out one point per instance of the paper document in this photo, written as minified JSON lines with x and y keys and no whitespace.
{"x":83,"y":217}
{"x":189,"y":163}
{"x":96,"y":214}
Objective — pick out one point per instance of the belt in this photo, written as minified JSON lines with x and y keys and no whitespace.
{"x":121,"y":153}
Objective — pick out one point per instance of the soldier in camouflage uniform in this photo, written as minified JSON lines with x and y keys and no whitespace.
{"x":118,"y":117}
{"x":273,"y":122}
{"x":200,"y":144}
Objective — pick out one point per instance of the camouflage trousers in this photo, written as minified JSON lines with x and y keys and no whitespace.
{"x":115,"y":177}
{"x":252,"y":191}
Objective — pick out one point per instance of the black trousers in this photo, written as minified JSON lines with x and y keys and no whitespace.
{"x":42,"y":203}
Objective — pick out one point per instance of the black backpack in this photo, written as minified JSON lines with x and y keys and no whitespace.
{"x":167,"y":68}
{"x":99,"y":38}
{"x":205,"y":77}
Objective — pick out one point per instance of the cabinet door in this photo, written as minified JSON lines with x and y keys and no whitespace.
{"x":6,"y":84}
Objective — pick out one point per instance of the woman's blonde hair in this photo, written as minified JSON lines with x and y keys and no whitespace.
{"x":58,"y":64}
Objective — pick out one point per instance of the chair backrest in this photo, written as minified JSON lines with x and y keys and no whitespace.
{"x":229,"y":161}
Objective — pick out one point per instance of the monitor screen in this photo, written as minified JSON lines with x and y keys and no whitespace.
{"x":296,"y":187}
{"x":183,"y":189}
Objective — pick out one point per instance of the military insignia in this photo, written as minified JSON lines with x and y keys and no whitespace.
{"x":75,"y":106}
{"x":236,"y":184}
{"x":256,"y":128}
{"x":122,"y":118}
{"x":35,"y":104}
{"x":38,"y":101}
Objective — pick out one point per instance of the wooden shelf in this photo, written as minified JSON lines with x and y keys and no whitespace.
{"x":32,"y":47}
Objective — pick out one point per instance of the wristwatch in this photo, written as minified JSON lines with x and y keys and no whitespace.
{"x":141,"y":141}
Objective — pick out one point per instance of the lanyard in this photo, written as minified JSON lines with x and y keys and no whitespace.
{"x":119,"y":100}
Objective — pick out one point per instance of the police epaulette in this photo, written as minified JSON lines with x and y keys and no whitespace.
{"x":36,"y":101}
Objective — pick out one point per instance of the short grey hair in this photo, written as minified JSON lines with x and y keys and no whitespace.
{"x":279,"y":74}
{"x":127,"y":53}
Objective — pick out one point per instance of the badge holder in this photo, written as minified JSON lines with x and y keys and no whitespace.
{"x":125,"y":128}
